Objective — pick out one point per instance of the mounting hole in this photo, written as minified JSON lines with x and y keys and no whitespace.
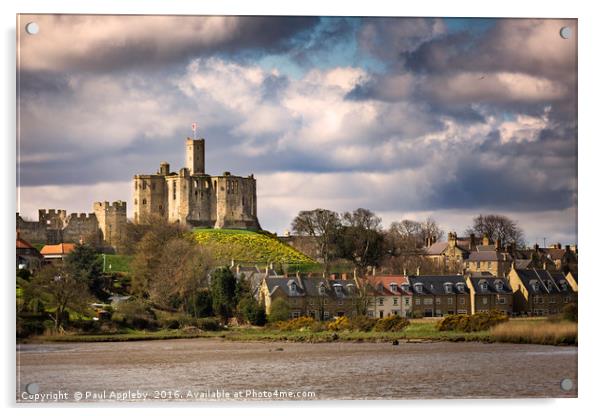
{"x":32,"y":28}
{"x":566,"y":384}
{"x":565,"y":32}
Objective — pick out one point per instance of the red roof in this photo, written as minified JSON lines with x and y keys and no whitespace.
{"x":62,"y":248}
{"x":23,"y":244}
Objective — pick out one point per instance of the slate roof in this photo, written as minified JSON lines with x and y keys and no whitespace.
{"x":489,"y":256}
{"x":542,"y":281}
{"x":292,"y":286}
{"x":435,"y":285}
{"x":522,"y":263}
{"x":437,"y":248}
{"x":491,"y":285}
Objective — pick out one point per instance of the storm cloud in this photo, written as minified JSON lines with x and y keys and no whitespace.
{"x":407,"y":117}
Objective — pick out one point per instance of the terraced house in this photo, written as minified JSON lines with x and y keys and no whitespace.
{"x":388,"y":295}
{"x":540,"y":291}
{"x":488,"y":292}
{"x":439,"y":295}
{"x":317,"y":297}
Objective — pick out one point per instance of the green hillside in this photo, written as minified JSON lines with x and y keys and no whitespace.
{"x":249,"y":247}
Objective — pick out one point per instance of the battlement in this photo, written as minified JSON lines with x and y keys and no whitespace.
{"x":116,"y":206}
{"x":81,"y":216}
{"x":52,"y":212}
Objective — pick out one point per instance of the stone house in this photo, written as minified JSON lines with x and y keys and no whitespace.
{"x":540,"y":292}
{"x":439,"y":295}
{"x":488,"y":292}
{"x":318,"y":297}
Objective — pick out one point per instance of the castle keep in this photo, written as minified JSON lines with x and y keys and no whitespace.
{"x":194,"y":198}
{"x":104,"y":226}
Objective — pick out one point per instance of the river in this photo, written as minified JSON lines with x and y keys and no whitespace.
{"x":213,"y":369}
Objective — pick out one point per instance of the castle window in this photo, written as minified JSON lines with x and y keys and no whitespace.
{"x":144,"y":202}
{"x":173,"y":187}
{"x":143,"y":184}
{"x":136,"y":185}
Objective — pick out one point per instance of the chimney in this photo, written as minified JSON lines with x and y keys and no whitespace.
{"x":567,"y":248}
{"x":418,"y":271}
{"x":473,"y":242}
{"x":498,"y":244}
{"x":485,"y":239}
{"x":536,"y":247}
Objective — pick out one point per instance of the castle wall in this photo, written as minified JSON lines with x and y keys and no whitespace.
{"x":81,"y":227}
{"x":112,"y":219}
{"x":150,"y":196}
{"x":31,"y":231}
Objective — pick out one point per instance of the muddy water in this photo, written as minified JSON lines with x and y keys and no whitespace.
{"x":201,"y":369}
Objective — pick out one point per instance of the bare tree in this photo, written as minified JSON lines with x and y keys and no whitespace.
{"x":497,"y":227}
{"x":182,"y":269}
{"x":360,"y":239}
{"x":323,"y":225}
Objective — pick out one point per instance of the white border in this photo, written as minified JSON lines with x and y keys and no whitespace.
{"x":589,"y":183}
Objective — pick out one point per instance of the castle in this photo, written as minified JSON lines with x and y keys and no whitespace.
{"x":104,"y":226}
{"x":194,"y":198}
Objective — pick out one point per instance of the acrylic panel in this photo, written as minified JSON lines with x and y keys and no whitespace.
{"x":276,"y":208}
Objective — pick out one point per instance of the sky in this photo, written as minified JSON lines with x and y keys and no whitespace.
{"x":408,"y":117}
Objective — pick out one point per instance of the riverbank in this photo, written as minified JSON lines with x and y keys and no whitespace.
{"x":515,"y":331}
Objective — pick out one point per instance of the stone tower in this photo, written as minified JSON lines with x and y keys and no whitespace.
{"x":194,"y":198}
{"x":195,"y":156}
{"x":112,"y":219}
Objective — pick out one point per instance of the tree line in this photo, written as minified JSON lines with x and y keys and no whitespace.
{"x":359,"y":237}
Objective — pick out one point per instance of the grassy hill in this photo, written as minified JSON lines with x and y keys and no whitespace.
{"x":249,"y":247}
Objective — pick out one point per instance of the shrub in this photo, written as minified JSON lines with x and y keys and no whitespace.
{"x":393,"y":323}
{"x":339,"y":324}
{"x":209,"y":324}
{"x":303,"y":322}
{"x":480,"y":321}
{"x":570,"y":312}
{"x":252,"y":311}
{"x":27,"y":328}
{"x":279,"y":310}
{"x":135,"y":313}
{"x":363,"y":323}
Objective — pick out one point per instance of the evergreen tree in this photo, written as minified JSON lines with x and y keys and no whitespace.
{"x":223,"y":293}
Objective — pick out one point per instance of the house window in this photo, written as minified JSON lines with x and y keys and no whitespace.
{"x":478,"y":264}
{"x":448,"y":288}
{"x":395,"y":301}
{"x":484,"y":301}
{"x":483,"y":286}
{"x":295,"y":314}
{"x":340,"y":303}
{"x":450,"y":301}
{"x":370,"y":314}
{"x":552,"y":299}
{"x":501,"y":301}
{"x":417,"y":301}
{"x":311,"y":302}
{"x":567,"y":299}
{"x":438,"y":301}
{"x":461,"y":301}
{"x":407,"y":301}
{"x":381,"y":301}
{"x":428,"y":301}
{"x":326,"y":315}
